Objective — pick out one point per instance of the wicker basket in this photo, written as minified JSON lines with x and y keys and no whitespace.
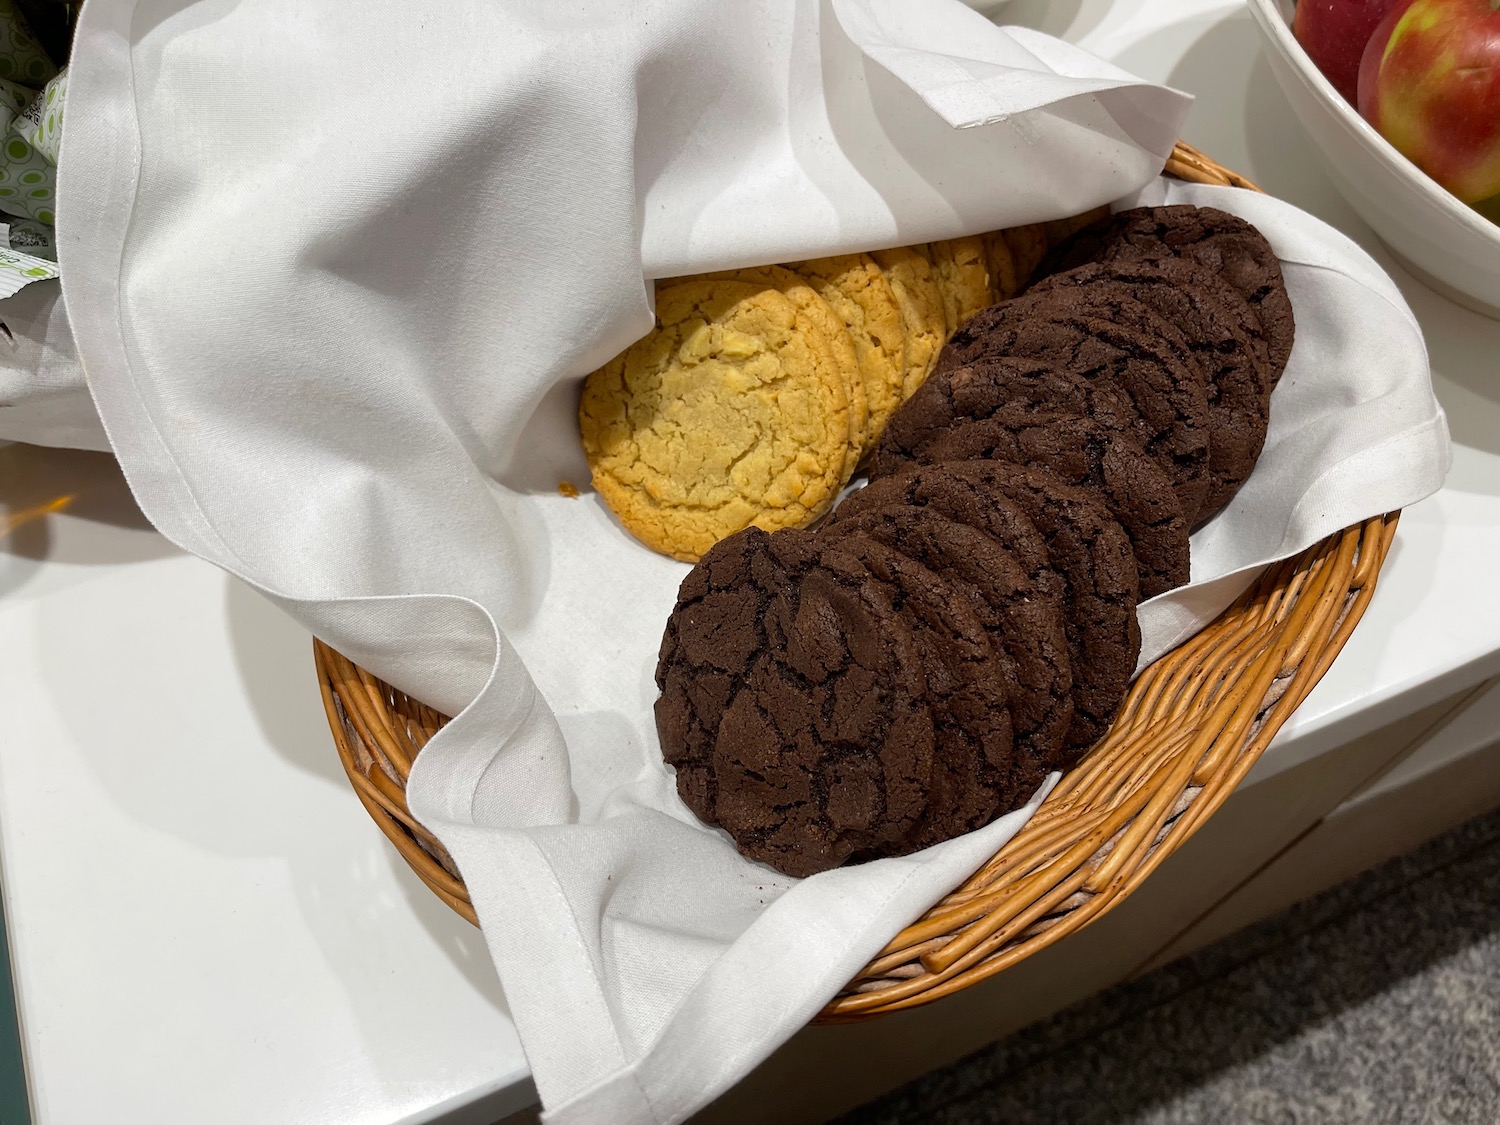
{"x":1191,"y":727}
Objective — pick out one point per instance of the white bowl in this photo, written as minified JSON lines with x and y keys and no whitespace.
{"x":1445,"y":243}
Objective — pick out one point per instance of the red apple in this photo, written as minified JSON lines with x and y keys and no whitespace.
{"x":1334,"y":34}
{"x":1429,"y":82}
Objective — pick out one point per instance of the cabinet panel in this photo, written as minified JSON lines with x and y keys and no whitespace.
{"x":1446,"y":779}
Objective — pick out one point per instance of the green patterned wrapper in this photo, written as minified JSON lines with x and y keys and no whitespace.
{"x":32,"y":121}
{"x":40,"y":123}
{"x":28,"y":181}
{"x":13,"y":99}
{"x":21,"y":60}
{"x":30,"y":131}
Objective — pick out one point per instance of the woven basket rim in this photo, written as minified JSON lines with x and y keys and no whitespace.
{"x":1113,"y":819}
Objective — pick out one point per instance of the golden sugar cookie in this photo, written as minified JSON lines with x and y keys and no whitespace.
{"x":963,"y":275}
{"x":1005,"y":281}
{"x":921,"y":304}
{"x":1028,"y":246}
{"x":731,"y":412}
{"x":859,"y":292}
{"x":820,"y":316}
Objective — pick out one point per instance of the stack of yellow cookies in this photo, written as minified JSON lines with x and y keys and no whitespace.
{"x":759,"y":390}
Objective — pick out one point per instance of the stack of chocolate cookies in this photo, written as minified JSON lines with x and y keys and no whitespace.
{"x":966,"y":623}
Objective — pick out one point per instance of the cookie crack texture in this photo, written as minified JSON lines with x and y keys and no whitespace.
{"x":1096,"y":569}
{"x":1167,"y":399}
{"x":1224,"y":244}
{"x":967,"y":696}
{"x":734,"y":413}
{"x":818,"y":749}
{"x":984,"y":549}
{"x":1084,"y":453}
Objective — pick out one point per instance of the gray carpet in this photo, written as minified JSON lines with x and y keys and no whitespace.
{"x":1378,"y":1001}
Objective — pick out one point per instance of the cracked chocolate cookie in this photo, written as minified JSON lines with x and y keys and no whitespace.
{"x":794,"y":705}
{"x":1086,"y":559}
{"x":1015,"y":594}
{"x":968,"y":694}
{"x":1199,"y":308}
{"x":1100,"y":587}
{"x":981,"y":389}
{"x":1085,"y":453}
{"x":1061,"y":327}
{"x":1225,"y":244}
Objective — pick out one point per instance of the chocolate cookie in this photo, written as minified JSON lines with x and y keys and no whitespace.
{"x":1225,"y":244}
{"x":1087,"y":553}
{"x":1019,"y":605}
{"x":1198,"y":308}
{"x":1092,"y":553}
{"x":1170,"y":398}
{"x":712,"y":637}
{"x":981,"y":389}
{"x":793,"y":703}
{"x":968,"y":694}
{"x":1087,"y":454}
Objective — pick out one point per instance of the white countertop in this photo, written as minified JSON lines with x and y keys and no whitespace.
{"x":205,"y":925}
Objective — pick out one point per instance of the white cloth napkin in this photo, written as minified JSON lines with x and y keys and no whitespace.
{"x":336,"y":270}
{"x":44,"y":398}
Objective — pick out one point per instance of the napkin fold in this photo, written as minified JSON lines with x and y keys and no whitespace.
{"x":341,"y":361}
{"x":44,"y":398}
